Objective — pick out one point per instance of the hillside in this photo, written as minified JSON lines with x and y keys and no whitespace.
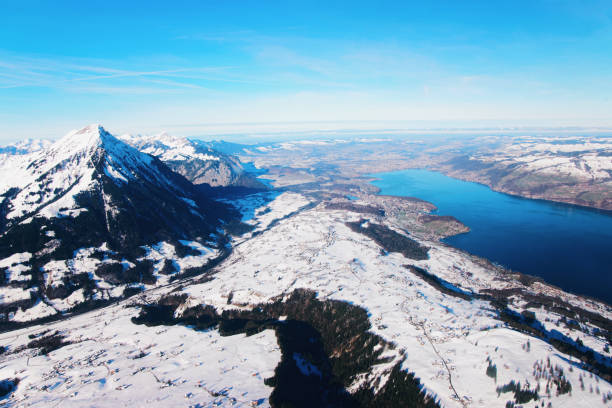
{"x":90,"y":218}
{"x":195,"y":160}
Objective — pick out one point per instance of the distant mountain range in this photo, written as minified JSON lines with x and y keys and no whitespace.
{"x":197,"y":160}
{"x":24,"y":147}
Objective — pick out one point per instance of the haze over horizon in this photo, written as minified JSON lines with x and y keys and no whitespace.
{"x":206,"y":68}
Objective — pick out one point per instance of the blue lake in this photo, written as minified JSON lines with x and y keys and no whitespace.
{"x":568,"y":246}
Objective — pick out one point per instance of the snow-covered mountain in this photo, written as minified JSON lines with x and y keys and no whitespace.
{"x":194,"y":159}
{"x":89,"y":216}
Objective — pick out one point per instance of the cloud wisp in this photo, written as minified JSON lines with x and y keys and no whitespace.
{"x":99,"y":76}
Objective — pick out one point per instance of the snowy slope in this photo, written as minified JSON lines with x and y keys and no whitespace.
{"x":49,"y":179}
{"x":191,"y":158}
{"x":113,"y":362}
{"x":96,"y":217}
{"x":442,"y":335}
{"x":586,"y":159}
{"x":448,"y":341}
{"x":11,"y":154}
{"x":575,"y":170}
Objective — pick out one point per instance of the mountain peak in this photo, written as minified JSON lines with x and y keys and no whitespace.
{"x":83,"y":161}
{"x":93,"y":128}
{"x":88,"y":133}
{"x":85,"y":141}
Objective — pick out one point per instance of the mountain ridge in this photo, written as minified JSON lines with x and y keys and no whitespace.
{"x":123,"y":214}
{"x":195,"y":159}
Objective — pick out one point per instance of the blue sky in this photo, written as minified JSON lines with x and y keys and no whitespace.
{"x":196,"y":67}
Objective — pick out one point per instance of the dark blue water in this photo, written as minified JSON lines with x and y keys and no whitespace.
{"x":568,"y":246}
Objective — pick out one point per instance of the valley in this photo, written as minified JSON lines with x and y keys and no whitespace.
{"x":569,"y":168}
{"x":316,"y":288}
{"x":306,"y":204}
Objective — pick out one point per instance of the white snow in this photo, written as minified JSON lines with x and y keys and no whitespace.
{"x":15,"y":266}
{"x":441,"y":335}
{"x":582,"y":158}
{"x":11,"y":294}
{"x":113,"y":362}
{"x":164,"y":251}
{"x":170,"y":148}
{"x":248,"y":204}
{"x":281,"y":206}
{"x":39,"y":310}
{"x":49,"y":179}
{"x":189,"y":201}
{"x":445,"y":340}
{"x":75,"y":298}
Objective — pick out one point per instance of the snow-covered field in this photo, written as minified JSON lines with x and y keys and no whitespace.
{"x":448,"y":341}
{"x":316,"y":250}
{"x":114,"y":363}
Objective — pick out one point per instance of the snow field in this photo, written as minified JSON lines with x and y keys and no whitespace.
{"x":113,"y":362}
{"x":439,"y":333}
